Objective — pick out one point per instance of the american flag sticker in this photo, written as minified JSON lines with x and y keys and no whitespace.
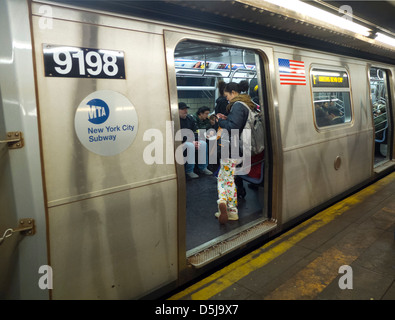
{"x":291,"y":72}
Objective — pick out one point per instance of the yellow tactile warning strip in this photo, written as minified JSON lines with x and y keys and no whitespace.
{"x":297,"y":287}
{"x":314,"y":278}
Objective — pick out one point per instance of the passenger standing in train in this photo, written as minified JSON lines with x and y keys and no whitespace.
{"x":187,"y":122}
{"x":236,"y":119}
{"x":221,"y":103}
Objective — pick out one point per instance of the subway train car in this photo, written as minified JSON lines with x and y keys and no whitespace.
{"x":95,"y":202}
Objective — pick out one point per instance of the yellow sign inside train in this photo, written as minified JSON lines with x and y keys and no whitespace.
{"x":328,"y":79}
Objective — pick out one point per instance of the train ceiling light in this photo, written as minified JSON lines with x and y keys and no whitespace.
{"x":385,"y":39}
{"x":344,"y":22}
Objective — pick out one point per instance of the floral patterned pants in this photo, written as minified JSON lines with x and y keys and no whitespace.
{"x":226,"y":184}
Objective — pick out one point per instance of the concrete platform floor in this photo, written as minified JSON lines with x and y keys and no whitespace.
{"x":303,"y":263}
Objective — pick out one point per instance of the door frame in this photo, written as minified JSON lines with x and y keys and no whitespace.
{"x":272,"y":201}
{"x":390,"y":118}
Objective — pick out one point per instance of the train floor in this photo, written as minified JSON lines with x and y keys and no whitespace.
{"x":202,"y":196}
{"x":345,"y":252}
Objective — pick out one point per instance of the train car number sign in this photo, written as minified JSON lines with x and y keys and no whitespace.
{"x":74,"y":62}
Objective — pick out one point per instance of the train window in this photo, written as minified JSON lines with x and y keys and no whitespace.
{"x":331,"y":97}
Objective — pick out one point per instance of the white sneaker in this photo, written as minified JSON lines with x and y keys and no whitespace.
{"x":207,"y":172}
{"x":192,"y":175}
{"x":231,"y":216}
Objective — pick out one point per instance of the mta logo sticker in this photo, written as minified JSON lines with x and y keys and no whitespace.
{"x":106,"y":122}
{"x":98,"y":112}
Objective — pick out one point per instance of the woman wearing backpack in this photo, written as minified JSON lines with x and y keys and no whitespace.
{"x":236,"y":119}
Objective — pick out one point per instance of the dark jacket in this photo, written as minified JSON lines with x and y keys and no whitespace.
{"x":202,"y":124}
{"x":238,"y":113}
{"x":189,"y":123}
{"x":236,"y":118}
{"x":221,"y":104}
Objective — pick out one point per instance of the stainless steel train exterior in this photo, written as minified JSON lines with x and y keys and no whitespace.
{"x":108,"y":225}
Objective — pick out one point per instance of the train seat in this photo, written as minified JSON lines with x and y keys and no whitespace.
{"x":256,"y":174}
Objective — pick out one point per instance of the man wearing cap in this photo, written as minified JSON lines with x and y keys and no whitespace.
{"x":187,"y":122}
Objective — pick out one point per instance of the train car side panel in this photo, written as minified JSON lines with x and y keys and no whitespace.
{"x":111,"y":212}
{"x":331,"y":159}
{"x":118,"y":251}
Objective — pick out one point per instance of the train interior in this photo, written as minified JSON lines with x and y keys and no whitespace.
{"x":381,"y":111}
{"x":199,"y":68}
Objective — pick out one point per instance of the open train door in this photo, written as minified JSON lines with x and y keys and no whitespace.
{"x":382,"y":114}
{"x":196,"y":67}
